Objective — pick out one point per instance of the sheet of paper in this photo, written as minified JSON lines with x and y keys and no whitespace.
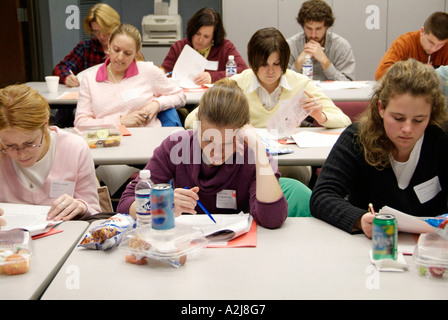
{"x":307,"y":139}
{"x":30,"y":217}
{"x":338,"y":85}
{"x":189,"y":64}
{"x":70,"y":95}
{"x":288,"y":116}
{"x":270,"y":139}
{"x":227,"y":229}
{"x":408,"y":223}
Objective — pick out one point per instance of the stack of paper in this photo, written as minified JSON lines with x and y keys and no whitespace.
{"x":230,"y":230}
{"x":30,"y":217}
{"x":339,"y":85}
{"x":307,"y":139}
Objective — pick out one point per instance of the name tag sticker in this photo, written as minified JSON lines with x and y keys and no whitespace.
{"x":226,"y":199}
{"x":212,"y":65}
{"x":130,"y":95}
{"x":428,"y":190}
{"x":58,"y":188}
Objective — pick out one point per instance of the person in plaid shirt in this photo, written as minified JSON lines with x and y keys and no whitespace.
{"x":98,"y":24}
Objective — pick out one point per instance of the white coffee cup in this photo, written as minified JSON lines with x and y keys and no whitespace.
{"x":52,"y":83}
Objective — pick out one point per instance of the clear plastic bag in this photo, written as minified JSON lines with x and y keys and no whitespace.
{"x":145,"y":245}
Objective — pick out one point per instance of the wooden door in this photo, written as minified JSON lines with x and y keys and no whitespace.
{"x":12,"y":55}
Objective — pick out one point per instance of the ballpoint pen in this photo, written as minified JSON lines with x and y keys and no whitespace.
{"x":204,"y":209}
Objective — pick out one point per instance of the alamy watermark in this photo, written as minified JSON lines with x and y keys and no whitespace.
{"x":73,"y":20}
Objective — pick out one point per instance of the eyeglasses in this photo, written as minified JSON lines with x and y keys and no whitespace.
{"x":27,"y":148}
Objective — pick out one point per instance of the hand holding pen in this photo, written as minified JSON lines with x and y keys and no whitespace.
{"x":185,"y":201}
{"x":71,"y":80}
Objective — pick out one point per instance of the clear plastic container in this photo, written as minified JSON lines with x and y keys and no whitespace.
{"x":100,"y":136}
{"x":15,"y":252}
{"x":145,"y":245}
{"x":431,"y":256}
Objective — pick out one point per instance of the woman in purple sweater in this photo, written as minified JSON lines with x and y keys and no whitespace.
{"x":205,"y":34}
{"x":223,"y":163}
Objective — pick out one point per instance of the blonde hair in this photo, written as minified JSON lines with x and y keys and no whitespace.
{"x":23,"y":108}
{"x":106,"y":17}
{"x":404,"y":77}
{"x":224,"y":105}
{"x":133,"y":33}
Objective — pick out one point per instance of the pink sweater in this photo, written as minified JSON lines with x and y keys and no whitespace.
{"x":102,"y":102}
{"x":72,"y":162}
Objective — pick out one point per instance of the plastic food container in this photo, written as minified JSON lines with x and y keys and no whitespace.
{"x":15,"y":252}
{"x":431,"y":256}
{"x":145,"y":245}
{"x":100,"y":136}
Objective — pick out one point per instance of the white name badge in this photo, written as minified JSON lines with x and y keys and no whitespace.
{"x":212,"y":65}
{"x":226,"y":199}
{"x":58,"y":188}
{"x":130,"y":95}
{"x":428,"y":190}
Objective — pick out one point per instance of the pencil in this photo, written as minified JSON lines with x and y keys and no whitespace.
{"x":371,"y":209}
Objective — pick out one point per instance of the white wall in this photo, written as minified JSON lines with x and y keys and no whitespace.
{"x":369,"y":25}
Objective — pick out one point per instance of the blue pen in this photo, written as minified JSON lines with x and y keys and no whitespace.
{"x":203,"y":208}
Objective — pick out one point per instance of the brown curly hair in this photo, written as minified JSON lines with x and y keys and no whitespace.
{"x":316,"y":10}
{"x":404,"y":77}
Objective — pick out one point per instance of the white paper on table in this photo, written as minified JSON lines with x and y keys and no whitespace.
{"x":227,"y":226}
{"x":270,"y":139}
{"x":288,"y":116}
{"x":339,"y":85}
{"x":189,"y":64}
{"x":307,"y":139}
{"x":408,"y":223}
{"x":24,"y":216}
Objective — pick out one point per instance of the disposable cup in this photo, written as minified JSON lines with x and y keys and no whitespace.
{"x":52,"y":83}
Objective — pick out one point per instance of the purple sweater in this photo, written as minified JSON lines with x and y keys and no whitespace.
{"x":188,"y":172}
{"x":220,"y":54}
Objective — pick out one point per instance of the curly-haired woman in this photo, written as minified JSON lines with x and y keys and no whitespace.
{"x":396,"y":155}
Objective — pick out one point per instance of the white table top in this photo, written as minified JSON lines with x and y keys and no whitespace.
{"x":55,"y":98}
{"x":135,"y":149}
{"x":138,"y":148}
{"x":304,"y":259}
{"x":193,"y":97}
{"x":49,"y":255}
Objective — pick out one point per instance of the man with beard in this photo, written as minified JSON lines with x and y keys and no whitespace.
{"x":332,"y":55}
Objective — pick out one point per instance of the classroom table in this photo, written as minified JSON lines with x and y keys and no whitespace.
{"x":67,"y":96}
{"x":136,"y":149}
{"x":193,"y":96}
{"x":304,"y":259}
{"x":49,"y":253}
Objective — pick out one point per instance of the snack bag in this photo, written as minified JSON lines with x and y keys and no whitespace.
{"x":440,"y":223}
{"x":108,"y":233}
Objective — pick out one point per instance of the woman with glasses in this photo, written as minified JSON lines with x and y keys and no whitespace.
{"x":43,"y":165}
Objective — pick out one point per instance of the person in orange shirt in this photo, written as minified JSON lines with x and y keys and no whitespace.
{"x":428,"y":45}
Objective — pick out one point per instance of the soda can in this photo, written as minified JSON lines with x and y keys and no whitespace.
{"x":384,"y":237}
{"x":162,"y":207}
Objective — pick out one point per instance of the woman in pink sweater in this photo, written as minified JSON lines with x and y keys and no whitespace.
{"x":43,"y":165}
{"x":125,"y":91}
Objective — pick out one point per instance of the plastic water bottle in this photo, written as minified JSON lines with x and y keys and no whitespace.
{"x":231,"y":67}
{"x":307,"y":67}
{"x":142,"y":198}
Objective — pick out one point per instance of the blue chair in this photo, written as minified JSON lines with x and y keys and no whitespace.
{"x":169,"y":118}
